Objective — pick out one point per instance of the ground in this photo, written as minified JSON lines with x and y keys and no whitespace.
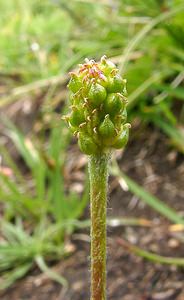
{"x":153,"y":163}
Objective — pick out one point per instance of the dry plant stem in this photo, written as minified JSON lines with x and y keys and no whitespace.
{"x":98,"y":171}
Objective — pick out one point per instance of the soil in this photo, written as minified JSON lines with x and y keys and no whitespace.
{"x":152,"y":162}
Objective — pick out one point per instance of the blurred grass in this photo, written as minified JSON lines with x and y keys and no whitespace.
{"x":40,"y":41}
{"x":40,"y":202}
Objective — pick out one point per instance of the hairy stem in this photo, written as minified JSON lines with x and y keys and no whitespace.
{"x":98,"y":172}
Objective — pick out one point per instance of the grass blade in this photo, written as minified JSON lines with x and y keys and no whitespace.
{"x":142,"y":33}
{"x":50,"y":273}
{"x":173,"y":132}
{"x":177,"y":261}
{"x":149,"y":199}
{"x":11,"y":276}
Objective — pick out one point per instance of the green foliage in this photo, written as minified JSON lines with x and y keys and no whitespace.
{"x":20,"y":250}
{"x":43,"y":204}
{"x":46,"y":168}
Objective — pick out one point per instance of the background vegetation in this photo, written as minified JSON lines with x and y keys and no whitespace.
{"x":40,"y":41}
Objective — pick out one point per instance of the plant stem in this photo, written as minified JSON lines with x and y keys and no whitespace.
{"x":98,"y":172}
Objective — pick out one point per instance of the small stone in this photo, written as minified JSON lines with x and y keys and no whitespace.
{"x":173,"y":243}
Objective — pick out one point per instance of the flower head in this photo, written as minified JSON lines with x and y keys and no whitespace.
{"x":98,"y":107}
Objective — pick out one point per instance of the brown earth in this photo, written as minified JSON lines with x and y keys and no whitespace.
{"x":151,"y":161}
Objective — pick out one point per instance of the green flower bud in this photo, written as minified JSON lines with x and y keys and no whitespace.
{"x":116,"y":84}
{"x":76,"y":117}
{"x":87,"y":145}
{"x":113,"y":104}
{"x":75,"y":83}
{"x":107,"y":130}
{"x":123,"y":138}
{"x":97,"y":94}
{"x":107,"y":66}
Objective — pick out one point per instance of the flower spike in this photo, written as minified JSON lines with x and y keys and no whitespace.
{"x":98,"y":119}
{"x":97,"y":97}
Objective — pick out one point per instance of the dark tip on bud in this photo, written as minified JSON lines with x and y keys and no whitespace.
{"x":75,"y":133}
{"x":103,"y":59}
{"x":72,"y":74}
{"x":95,"y":130}
{"x":114,"y":72}
{"x":82,"y":125}
{"x":122,"y":97}
{"x":128,"y":125}
{"x":65,"y":118}
{"x":94,"y":111}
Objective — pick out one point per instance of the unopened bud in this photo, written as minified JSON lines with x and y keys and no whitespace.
{"x":113,"y":104}
{"x":107,"y":128}
{"x":75,"y":83}
{"x":123,"y":138}
{"x":116,"y":84}
{"x":76,"y":117}
{"x":97,"y":94}
{"x":87,"y":145}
